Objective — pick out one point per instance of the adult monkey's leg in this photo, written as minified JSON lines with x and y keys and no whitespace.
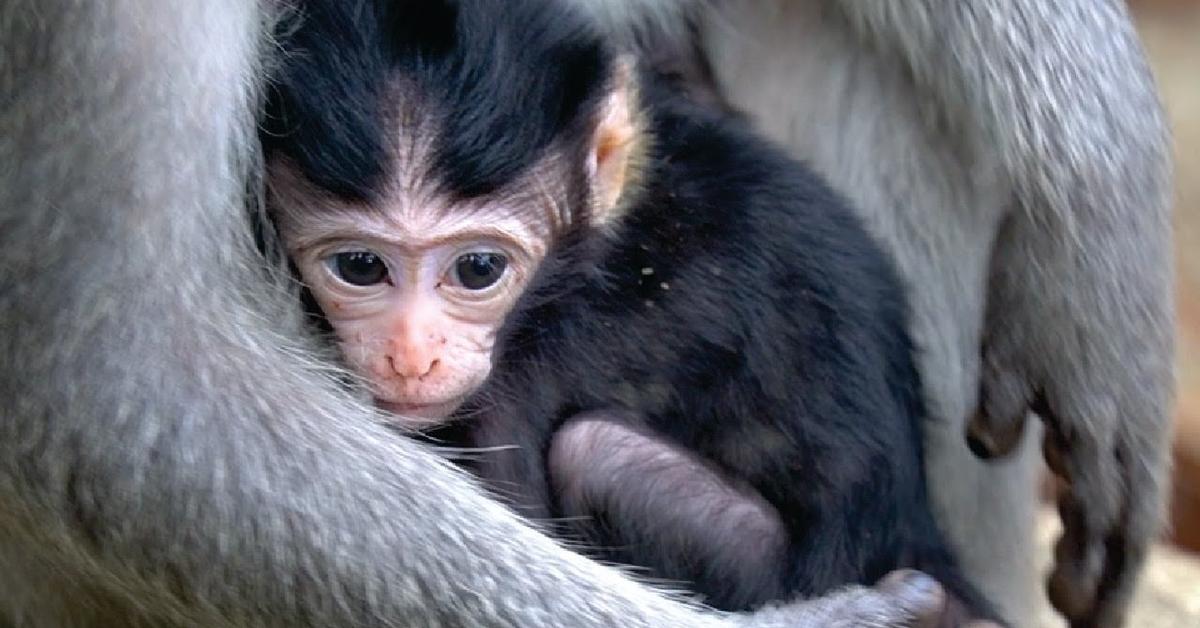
{"x":171,"y":451}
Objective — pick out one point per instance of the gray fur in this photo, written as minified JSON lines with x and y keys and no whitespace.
{"x":171,"y":450}
{"x":1013,"y":154}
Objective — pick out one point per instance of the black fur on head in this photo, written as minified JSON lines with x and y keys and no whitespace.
{"x":480,"y":69}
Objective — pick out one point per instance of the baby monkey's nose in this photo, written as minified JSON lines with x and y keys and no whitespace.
{"x":414,"y":362}
{"x":413,"y":369}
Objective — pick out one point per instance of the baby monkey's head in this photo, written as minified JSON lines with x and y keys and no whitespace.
{"x":420,"y":172}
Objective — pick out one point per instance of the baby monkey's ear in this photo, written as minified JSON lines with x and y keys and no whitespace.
{"x":617,"y":145}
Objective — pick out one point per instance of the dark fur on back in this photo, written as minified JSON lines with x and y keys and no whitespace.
{"x":747,"y":315}
{"x":738,"y":307}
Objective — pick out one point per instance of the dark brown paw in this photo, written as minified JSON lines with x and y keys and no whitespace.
{"x":1005,"y":397}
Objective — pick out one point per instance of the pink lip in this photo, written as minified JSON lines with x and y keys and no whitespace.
{"x":423,"y":410}
{"x":412,"y":407}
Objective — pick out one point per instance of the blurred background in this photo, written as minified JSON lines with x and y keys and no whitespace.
{"x":1170,"y":591}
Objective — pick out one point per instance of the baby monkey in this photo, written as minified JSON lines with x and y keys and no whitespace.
{"x":662,"y":331}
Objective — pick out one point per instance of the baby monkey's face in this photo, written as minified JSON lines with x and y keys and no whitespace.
{"x":417,"y":281}
{"x":415,"y":287}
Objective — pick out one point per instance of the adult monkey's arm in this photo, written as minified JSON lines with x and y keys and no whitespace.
{"x":171,"y":453}
{"x":1014,"y":154}
{"x":1055,"y":100}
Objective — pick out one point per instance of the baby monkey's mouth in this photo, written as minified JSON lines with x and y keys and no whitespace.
{"x":429,"y":411}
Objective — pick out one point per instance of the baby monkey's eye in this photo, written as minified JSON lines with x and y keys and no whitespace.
{"x":358,"y":268}
{"x":477,"y":271}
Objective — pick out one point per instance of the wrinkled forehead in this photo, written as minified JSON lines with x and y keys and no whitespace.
{"x":411,"y":201}
{"x":425,"y":165}
{"x":410,"y":169}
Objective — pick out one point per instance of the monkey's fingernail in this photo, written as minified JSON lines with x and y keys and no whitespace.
{"x":921,"y":584}
{"x":912,"y":584}
{"x":894,"y":579}
{"x":978,"y":447}
{"x":1052,"y":452}
{"x":1068,"y":595}
{"x":980,"y":440}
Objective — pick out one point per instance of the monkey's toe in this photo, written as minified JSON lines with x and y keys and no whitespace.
{"x":990,"y":439}
{"x":1073,"y":586}
{"x":1003,"y":406}
{"x":922,"y":596}
{"x":1070,"y":594}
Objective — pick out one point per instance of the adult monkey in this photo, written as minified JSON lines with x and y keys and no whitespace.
{"x":1014,"y":155}
{"x":171,"y":453}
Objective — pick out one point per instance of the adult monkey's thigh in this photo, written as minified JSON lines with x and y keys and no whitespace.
{"x":171,"y":450}
{"x":1014,"y":156}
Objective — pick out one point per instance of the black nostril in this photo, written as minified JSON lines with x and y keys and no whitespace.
{"x":429,"y":370}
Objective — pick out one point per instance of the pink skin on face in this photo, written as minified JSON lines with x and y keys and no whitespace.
{"x":406,"y":320}
{"x":422,"y":341}
{"x":422,"y":337}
